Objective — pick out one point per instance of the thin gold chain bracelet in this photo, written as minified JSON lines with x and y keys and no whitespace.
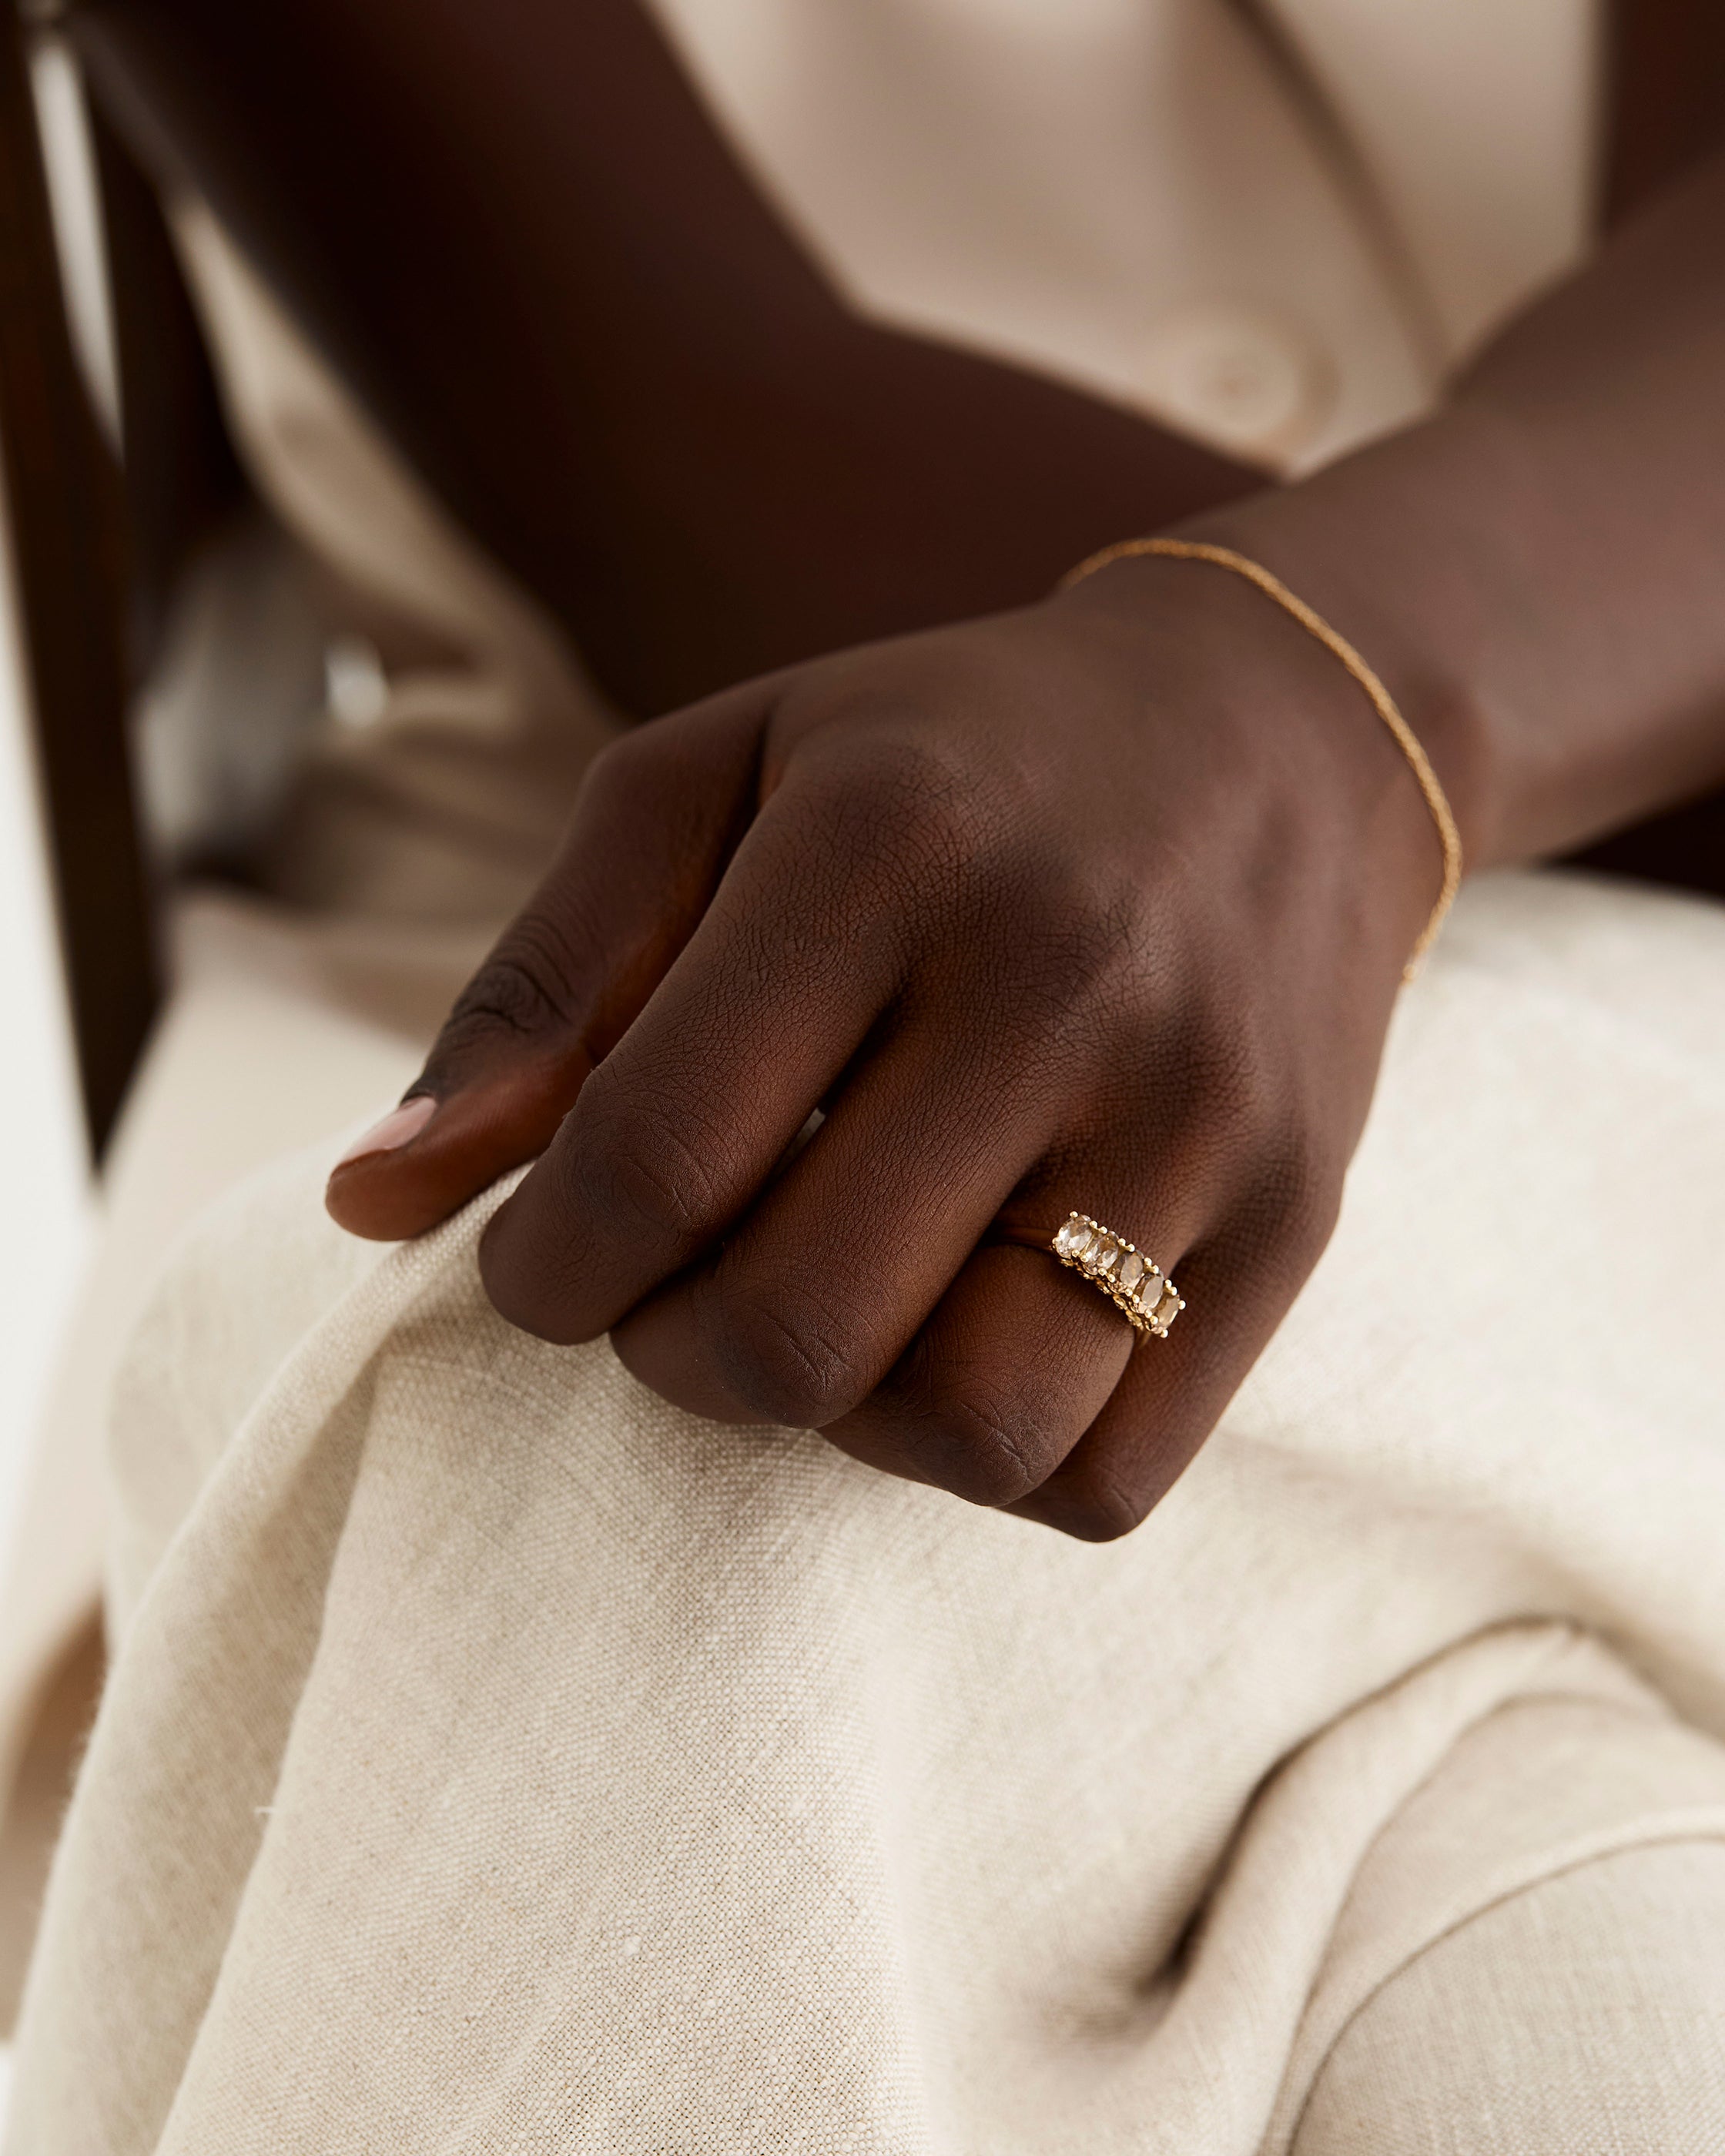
{"x":1406,"y":740}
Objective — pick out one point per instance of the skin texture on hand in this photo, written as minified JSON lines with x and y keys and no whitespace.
{"x":1097,"y":906}
{"x":1100,"y":905}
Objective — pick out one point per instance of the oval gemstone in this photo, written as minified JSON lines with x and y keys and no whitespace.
{"x":1104,"y":1255}
{"x":1071,"y":1240}
{"x":1170,"y":1305}
{"x":1132,"y":1269}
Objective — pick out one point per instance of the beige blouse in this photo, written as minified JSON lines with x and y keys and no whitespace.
{"x":1275,"y":224}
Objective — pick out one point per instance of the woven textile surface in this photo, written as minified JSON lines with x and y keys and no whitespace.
{"x":498,"y":1759}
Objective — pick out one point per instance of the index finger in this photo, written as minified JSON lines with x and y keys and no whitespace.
{"x":799,"y":954}
{"x":658,"y":817}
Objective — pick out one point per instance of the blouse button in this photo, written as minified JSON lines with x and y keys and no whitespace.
{"x":1243,"y":378}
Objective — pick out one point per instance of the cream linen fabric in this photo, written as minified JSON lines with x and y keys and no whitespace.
{"x":280,"y":1030}
{"x":497,"y":1758}
{"x":409,"y":844}
{"x":276,"y":1034}
{"x":1582,"y":2015}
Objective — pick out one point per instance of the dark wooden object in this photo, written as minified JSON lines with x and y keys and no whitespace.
{"x":67,"y":521}
{"x":183,"y":481}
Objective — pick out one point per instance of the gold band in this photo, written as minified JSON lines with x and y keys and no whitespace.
{"x":1135,"y":1287}
{"x":1241,"y":565}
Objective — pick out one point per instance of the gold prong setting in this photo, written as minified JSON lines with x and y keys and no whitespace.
{"x":1134,"y":1284}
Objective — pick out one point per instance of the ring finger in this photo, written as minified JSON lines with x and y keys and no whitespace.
{"x":1022,"y":1354}
{"x":821,"y":1287}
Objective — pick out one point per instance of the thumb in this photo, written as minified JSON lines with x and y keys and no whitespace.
{"x":657,"y":819}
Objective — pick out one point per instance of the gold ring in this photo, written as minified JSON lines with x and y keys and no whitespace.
{"x":1144,"y":1296}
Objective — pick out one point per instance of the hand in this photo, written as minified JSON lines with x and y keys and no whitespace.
{"x":1100,"y":905}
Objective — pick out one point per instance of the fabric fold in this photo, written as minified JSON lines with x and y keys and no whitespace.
{"x":497,"y":1758}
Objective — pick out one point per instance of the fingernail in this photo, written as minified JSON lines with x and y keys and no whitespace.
{"x":397,"y":1128}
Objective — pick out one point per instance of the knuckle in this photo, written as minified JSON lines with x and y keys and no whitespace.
{"x":789,"y":1357}
{"x":506,"y":996}
{"x":935,"y":794}
{"x":525,"y":1277}
{"x":634,"y":760}
{"x":1093,"y":1506}
{"x":1100,"y":942}
{"x":523,"y":993}
{"x":911,"y":795}
{"x":887,"y":864}
{"x":1081,"y":960}
{"x":640,"y":1168}
{"x":983,"y":1446}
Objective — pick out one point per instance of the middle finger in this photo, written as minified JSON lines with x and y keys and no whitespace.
{"x":824,"y":1282}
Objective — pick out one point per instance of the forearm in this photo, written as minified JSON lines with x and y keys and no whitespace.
{"x":1538,"y":571}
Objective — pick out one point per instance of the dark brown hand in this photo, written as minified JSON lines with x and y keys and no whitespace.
{"x":1100,"y":905}
{"x":1096,"y":905}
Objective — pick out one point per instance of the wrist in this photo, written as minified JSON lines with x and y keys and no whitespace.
{"x":1295,"y":728}
{"x":1391,"y":549}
